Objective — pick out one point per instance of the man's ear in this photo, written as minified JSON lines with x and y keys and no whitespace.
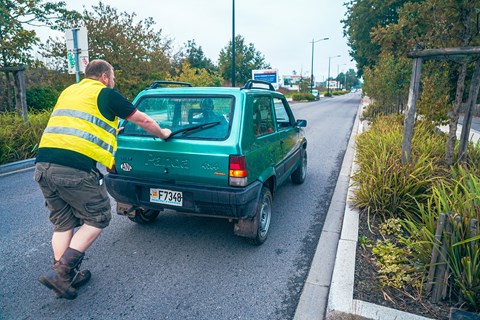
{"x":103,"y":79}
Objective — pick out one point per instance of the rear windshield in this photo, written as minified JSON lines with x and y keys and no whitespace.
{"x":189,"y":117}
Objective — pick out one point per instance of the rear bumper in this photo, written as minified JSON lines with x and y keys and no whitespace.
{"x":226,"y":202}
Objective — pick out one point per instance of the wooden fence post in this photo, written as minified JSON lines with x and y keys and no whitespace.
{"x":20,"y":92}
{"x":432,"y":277}
{"x":411,"y":110}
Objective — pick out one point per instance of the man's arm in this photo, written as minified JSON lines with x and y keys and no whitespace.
{"x":148,"y":124}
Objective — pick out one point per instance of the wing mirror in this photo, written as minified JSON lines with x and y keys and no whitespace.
{"x":301,"y":123}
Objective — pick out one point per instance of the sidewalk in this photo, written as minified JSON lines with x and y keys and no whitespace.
{"x":328,"y":290}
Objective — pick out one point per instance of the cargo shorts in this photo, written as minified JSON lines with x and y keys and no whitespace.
{"x":73,"y":196}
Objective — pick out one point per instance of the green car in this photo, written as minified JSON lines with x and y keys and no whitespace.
{"x":230,"y":149}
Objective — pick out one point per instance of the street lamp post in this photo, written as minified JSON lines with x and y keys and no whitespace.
{"x":328,"y":79}
{"x":338,"y":71}
{"x":233,"y":43}
{"x":311,"y":69}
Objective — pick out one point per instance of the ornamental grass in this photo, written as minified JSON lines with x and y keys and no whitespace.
{"x":413,"y":196}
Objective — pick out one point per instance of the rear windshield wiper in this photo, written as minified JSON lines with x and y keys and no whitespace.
{"x":199,"y":127}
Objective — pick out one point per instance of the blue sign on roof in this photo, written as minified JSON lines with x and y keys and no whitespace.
{"x":267,"y":77}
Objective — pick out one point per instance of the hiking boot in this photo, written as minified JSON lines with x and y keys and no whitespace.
{"x":78,"y":277}
{"x":62,"y":274}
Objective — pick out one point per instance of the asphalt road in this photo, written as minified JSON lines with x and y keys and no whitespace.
{"x":180,"y":267}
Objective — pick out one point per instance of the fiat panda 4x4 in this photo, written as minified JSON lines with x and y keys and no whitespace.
{"x":230,"y":149}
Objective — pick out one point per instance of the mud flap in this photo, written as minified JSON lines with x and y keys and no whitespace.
{"x":247,"y":228}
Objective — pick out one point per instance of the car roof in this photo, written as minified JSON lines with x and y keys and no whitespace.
{"x":177,"y":87}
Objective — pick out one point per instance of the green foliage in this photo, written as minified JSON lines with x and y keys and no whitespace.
{"x":138,"y":52}
{"x":362,"y":18}
{"x":394,"y":268}
{"x":19,"y":139}
{"x":384,"y":185}
{"x":41,"y":98}
{"x":195,"y":57}
{"x":388,"y":82}
{"x":410,"y":199}
{"x":303,"y":97}
{"x":434,"y":102}
{"x":247,"y":58}
{"x":198,"y":77}
{"x":15,"y":40}
{"x":462,"y":197}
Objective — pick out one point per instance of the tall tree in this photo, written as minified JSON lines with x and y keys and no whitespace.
{"x":16,"y":41}
{"x":247,"y":58}
{"x":362,"y":17}
{"x":438,"y":24}
{"x":194,"y":56}
{"x":348,"y":79}
{"x":137,"y":51}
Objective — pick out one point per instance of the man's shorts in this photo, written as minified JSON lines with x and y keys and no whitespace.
{"x":73,"y":196}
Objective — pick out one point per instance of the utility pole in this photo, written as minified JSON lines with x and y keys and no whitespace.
{"x":311,"y":69}
{"x":233,"y":43}
{"x":328,"y":79}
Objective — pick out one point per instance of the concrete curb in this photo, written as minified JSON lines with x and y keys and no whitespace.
{"x":16,"y":166}
{"x":314,"y":297}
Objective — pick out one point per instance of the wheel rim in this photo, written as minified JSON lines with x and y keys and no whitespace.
{"x":265,"y":215}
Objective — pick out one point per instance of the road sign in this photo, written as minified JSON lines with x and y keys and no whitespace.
{"x":268,"y":75}
{"x":77,"y":43}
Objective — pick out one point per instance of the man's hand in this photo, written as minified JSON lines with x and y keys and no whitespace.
{"x":146,"y":122}
{"x":166,"y":133}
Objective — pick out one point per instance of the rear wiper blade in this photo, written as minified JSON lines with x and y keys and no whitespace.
{"x":199,"y":127}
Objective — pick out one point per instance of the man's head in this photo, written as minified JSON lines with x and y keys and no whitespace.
{"x":206,"y":104}
{"x":102,"y":71}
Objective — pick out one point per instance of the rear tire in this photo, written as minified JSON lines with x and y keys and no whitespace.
{"x":144,"y":216}
{"x":299,"y":175}
{"x":263,"y":217}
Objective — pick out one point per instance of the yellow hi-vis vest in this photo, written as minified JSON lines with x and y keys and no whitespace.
{"x":76,"y":124}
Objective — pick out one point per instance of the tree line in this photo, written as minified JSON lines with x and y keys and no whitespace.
{"x":381,"y":35}
{"x":136,"y":48}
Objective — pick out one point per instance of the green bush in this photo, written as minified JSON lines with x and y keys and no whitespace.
{"x":384,"y":185}
{"x":19,"y":139}
{"x":303,"y":97}
{"x":41,"y":98}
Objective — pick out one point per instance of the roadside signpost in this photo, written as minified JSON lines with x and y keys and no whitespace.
{"x":77,"y":50}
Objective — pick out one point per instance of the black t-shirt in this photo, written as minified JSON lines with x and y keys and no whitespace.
{"x":110,"y":104}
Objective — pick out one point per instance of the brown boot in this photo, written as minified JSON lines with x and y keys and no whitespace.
{"x":60,"y":277}
{"x":78,"y":277}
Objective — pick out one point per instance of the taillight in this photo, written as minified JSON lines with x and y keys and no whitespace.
{"x":237,"y":171}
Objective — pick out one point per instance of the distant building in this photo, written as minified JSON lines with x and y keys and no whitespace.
{"x":291,"y":82}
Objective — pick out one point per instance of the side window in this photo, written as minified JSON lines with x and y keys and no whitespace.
{"x":281,"y":114}
{"x":262,"y":116}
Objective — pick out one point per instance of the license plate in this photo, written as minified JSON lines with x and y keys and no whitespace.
{"x":163,"y":196}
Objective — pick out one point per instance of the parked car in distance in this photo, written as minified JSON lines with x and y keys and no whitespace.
{"x":316,"y":93}
{"x":230,"y":149}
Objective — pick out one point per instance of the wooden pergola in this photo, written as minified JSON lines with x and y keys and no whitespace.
{"x":19,"y":88}
{"x":418,"y":57}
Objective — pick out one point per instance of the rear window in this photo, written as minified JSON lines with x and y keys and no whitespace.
{"x":194,"y":117}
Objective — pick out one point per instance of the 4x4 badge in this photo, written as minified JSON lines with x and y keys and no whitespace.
{"x":125,"y":166}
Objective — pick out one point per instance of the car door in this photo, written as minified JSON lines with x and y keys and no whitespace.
{"x":265,"y":151}
{"x":287,"y":135}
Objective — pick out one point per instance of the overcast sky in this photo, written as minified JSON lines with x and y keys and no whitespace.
{"x":282,"y":30}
